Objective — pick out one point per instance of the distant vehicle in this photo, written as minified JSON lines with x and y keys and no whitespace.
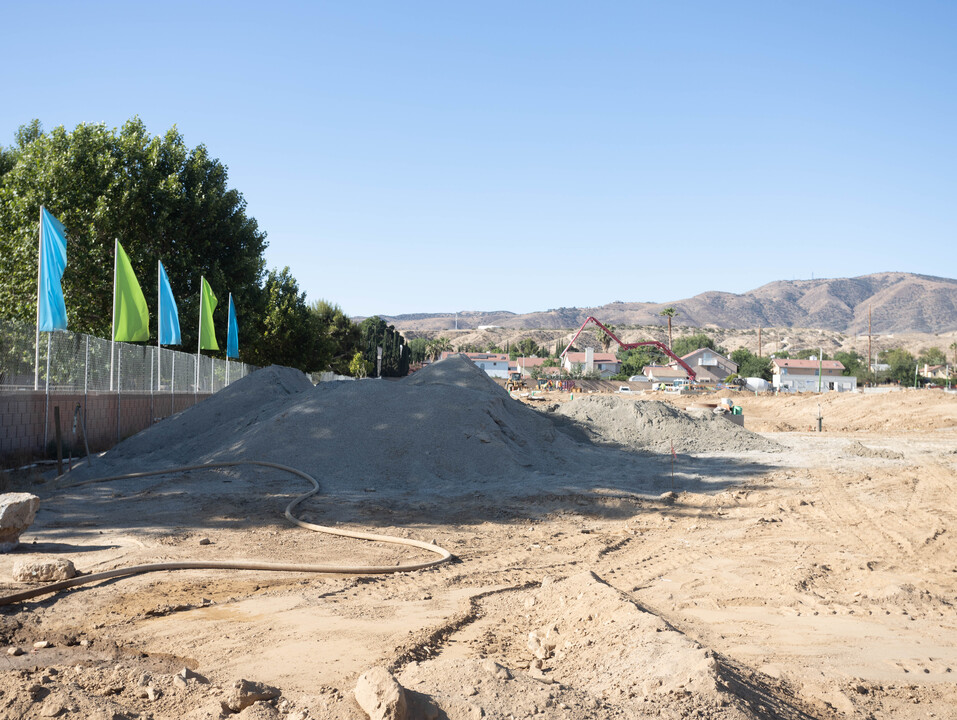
{"x":624,"y":389}
{"x":638,"y":378}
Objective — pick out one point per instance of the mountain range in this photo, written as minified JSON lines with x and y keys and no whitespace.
{"x":897,"y":302}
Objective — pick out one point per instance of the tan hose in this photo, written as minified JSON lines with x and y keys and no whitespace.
{"x":444,"y":555}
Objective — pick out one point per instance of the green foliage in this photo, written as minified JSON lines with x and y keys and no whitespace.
{"x":550,"y":362}
{"x":161,"y":199}
{"x":902,"y":365}
{"x":528,"y":348}
{"x":337,"y":339}
{"x":807,"y":354}
{"x":751,"y":365}
{"x":932,"y":356}
{"x":634,"y":360}
{"x":689,"y":343}
{"x":358,"y":367}
{"x":287,"y":333}
{"x":854,"y":363}
{"x":375,"y":333}
{"x":437,"y":346}
{"x":418,"y":347}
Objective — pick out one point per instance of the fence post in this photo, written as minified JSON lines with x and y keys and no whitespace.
{"x":119,"y":385}
{"x":46,"y":411}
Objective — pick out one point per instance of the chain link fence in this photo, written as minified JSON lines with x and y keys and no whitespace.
{"x":70,"y":362}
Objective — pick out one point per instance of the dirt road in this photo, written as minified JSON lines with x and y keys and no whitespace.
{"x":814,"y":581}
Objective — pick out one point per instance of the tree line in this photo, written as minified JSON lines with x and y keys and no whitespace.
{"x":165,"y":201}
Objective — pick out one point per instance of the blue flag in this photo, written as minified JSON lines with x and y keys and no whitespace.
{"x":168,"y":314}
{"x":232,"y":334}
{"x":51,"y":310}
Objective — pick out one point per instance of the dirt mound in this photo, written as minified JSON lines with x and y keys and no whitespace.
{"x":216,"y":421}
{"x":447,"y":428}
{"x":653,"y":425}
{"x":856,"y":449}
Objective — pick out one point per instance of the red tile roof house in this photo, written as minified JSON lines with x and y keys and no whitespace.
{"x":606,"y":364}
{"x":494,"y":364}
{"x":802,"y":376}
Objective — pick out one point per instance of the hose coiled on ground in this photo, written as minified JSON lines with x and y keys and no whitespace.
{"x":444,"y":555}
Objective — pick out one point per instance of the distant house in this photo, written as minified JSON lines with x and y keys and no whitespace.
{"x":938,"y":372}
{"x":494,"y":364}
{"x":526,"y":366}
{"x":710,"y":366}
{"x":666,"y":374}
{"x":606,"y":364}
{"x":810,"y":376}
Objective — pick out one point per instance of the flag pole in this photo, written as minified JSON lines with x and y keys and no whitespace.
{"x":159,"y":322}
{"x":113,"y":323}
{"x":199,"y":342}
{"x":36,"y":364}
{"x":228,"y":312}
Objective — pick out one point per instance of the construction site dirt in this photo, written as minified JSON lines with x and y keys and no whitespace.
{"x":769,"y":571}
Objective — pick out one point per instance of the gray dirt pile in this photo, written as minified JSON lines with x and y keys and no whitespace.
{"x":654,"y":426}
{"x":448,"y":428}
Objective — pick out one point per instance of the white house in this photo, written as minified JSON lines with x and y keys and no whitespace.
{"x":606,"y":364}
{"x":810,"y":376}
{"x":494,"y":364}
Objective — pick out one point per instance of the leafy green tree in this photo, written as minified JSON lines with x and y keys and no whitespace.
{"x":337,"y":340}
{"x":809,"y":353}
{"x":932,"y":356}
{"x":358,"y":367}
{"x":751,"y":365}
{"x":902,"y":364}
{"x":689,"y":343}
{"x":418,"y":347}
{"x":375,"y":333}
{"x":635,"y":360}
{"x":854,"y":363}
{"x":528,"y":348}
{"x":162,"y":200}
{"x":287,"y":332}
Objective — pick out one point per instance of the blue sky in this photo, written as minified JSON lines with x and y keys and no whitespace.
{"x":432,"y":157}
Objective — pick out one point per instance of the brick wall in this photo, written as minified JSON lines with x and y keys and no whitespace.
{"x":109,"y":418}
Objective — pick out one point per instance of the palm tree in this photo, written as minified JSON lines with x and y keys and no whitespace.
{"x":435,"y":348}
{"x":953,"y":346}
{"x":669,"y":312}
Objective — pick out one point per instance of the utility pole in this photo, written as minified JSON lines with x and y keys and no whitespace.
{"x":868,"y":339}
{"x":759,"y":343}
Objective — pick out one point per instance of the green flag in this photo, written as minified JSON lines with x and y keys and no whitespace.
{"x":131,"y":318}
{"x":207,"y":303}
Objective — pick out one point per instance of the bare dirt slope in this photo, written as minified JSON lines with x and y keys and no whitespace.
{"x":813,"y":581}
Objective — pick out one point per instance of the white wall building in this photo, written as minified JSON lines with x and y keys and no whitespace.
{"x":494,"y":364}
{"x":810,"y":376}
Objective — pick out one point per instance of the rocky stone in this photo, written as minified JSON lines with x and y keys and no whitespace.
{"x":499,"y":671}
{"x":258,"y":711}
{"x":42,"y":571}
{"x":380,"y":696}
{"x":41,"y":644}
{"x":246,"y":692}
{"x":17,"y":511}
{"x":14,"y":651}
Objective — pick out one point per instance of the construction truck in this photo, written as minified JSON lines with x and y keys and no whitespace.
{"x":515,"y":382}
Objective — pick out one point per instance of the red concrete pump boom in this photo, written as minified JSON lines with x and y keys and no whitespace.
{"x":629,"y":346}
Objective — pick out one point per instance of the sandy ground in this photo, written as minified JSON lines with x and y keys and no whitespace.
{"x":814,"y":580}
